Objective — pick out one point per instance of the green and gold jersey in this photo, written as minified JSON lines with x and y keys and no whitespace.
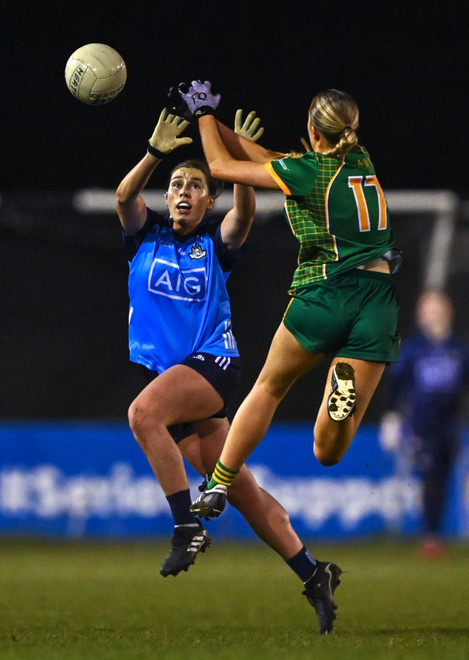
{"x":337,"y":211}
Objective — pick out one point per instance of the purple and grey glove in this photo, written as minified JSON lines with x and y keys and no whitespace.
{"x":199,"y":98}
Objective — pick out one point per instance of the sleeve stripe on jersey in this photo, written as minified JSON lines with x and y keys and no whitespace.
{"x":281,"y":184}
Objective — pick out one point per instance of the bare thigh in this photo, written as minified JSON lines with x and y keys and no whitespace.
{"x":178,"y":395}
{"x":286,"y":361}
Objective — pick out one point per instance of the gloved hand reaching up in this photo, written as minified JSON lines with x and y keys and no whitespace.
{"x":199,"y":97}
{"x":165,"y":137}
{"x":250,"y":129}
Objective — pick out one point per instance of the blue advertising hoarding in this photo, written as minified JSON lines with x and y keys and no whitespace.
{"x":78,"y":479}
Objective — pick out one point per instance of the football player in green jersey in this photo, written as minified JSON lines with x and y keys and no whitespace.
{"x":343,"y":305}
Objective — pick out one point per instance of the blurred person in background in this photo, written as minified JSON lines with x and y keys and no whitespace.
{"x":423,"y":419}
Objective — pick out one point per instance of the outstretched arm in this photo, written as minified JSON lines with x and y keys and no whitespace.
{"x":240,"y":162}
{"x":131,"y":207}
{"x":224,"y":166}
{"x":238,"y":143}
{"x":238,"y":221}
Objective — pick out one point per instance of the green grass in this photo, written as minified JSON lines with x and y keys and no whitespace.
{"x":107,"y":601}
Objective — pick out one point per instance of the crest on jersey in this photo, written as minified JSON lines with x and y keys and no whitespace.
{"x":197,"y":252}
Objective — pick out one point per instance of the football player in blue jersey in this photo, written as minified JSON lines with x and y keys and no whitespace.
{"x":180,"y":332}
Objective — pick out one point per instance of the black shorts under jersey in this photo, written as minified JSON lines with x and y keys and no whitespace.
{"x":223,"y":373}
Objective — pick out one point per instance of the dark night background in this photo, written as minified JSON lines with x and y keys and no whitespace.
{"x":63,"y":278}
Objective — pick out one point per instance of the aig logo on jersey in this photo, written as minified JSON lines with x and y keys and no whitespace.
{"x":168,"y":280}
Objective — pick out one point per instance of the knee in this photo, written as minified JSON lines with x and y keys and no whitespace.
{"x":140,"y":421}
{"x":134,"y":416}
{"x":325,"y":456}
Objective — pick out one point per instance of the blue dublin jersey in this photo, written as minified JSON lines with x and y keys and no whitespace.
{"x":429,"y":380}
{"x":179,"y":302}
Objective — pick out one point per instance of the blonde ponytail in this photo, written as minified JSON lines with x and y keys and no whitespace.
{"x":335,"y":114}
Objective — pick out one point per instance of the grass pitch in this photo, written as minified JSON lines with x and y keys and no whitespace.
{"x":107,"y":601}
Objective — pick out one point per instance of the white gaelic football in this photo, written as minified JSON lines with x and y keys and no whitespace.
{"x":95,"y":74}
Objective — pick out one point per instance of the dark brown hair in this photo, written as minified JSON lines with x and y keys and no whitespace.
{"x":215,"y":187}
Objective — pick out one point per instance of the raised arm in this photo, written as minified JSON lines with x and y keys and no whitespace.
{"x":224,"y":166}
{"x":238,"y":221}
{"x":131,"y":207}
{"x":223,"y":160}
{"x":238,"y":143}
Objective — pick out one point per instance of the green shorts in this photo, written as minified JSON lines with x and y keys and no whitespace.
{"x":353,"y":314}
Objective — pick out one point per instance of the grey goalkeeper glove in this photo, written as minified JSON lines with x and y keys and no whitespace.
{"x":165,"y":137}
{"x":251,"y":128}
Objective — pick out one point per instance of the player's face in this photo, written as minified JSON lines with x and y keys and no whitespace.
{"x":188,"y":198}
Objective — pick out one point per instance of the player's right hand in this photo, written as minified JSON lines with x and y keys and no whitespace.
{"x":250,"y":128}
{"x":165,"y":137}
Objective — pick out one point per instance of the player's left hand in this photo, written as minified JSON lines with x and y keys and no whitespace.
{"x":250,"y":128}
{"x":165,"y":137}
{"x":176,"y":105}
{"x":199,"y":97}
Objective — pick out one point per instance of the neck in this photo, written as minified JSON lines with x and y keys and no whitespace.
{"x":321,"y":145}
